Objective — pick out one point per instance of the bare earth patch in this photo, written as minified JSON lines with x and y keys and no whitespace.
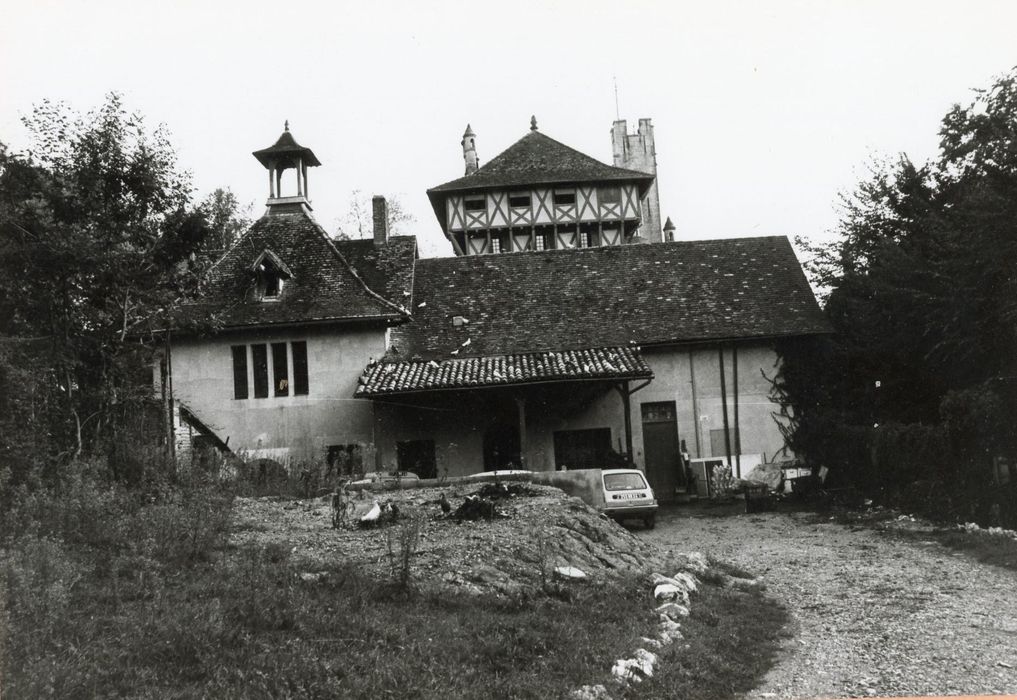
{"x":519,"y":549}
{"x":872,"y":613}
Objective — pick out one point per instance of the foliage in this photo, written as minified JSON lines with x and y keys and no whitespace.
{"x":921,"y":292}
{"x":98,"y":239}
{"x":358,"y":222}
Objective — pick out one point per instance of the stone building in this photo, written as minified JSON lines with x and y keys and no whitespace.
{"x":549,"y":340}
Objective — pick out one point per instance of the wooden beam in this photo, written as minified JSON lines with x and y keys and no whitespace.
{"x":737,"y":431}
{"x":521,"y":409}
{"x":723,"y":402}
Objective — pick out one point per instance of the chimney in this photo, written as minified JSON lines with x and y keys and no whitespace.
{"x":380,"y":207}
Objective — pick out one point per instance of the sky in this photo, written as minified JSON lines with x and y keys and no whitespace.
{"x":764,"y":112}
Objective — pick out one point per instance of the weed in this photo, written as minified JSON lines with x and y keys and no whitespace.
{"x":402,"y":546}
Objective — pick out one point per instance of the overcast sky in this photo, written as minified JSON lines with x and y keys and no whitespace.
{"x":763,"y":111}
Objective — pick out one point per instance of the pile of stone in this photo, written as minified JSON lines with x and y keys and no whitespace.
{"x":672,"y":595}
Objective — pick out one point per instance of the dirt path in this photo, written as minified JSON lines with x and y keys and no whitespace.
{"x":873,"y":614}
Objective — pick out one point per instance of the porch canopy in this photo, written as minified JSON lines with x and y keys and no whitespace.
{"x":541,"y":379}
{"x":416,"y":376}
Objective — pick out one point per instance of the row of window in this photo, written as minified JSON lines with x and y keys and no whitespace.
{"x":546,"y":241}
{"x":561,"y":197}
{"x":257,"y":356}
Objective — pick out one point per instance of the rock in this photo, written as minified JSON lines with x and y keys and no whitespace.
{"x":590,"y":692}
{"x":695,"y":562}
{"x":313,"y":577}
{"x":647,"y":660}
{"x":650,"y":642}
{"x":687,"y":581}
{"x":673,"y":610}
{"x":569,"y":573}
{"x":670,"y":631}
{"x":670,"y":592}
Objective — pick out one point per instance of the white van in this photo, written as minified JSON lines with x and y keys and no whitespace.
{"x":627,"y":496}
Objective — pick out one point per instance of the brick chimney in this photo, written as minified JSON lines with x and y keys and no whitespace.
{"x":380,"y":207}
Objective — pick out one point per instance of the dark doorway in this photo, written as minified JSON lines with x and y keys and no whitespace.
{"x":661,"y":449}
{"x":501,"y":447}
{"x":417,"y":456}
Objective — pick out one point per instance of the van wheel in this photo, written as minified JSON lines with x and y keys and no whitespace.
{"x":650,"y":522}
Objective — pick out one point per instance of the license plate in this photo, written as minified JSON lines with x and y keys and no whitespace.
{"x":630,"y":496}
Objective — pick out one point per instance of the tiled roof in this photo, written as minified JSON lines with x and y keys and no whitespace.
{"x":383,"y":378}
{"x":324,"y":286}
{"x":538,"y":159}
{"x":386,"y":269}
{"x":286,"y":146}
{"x":631,"y":295}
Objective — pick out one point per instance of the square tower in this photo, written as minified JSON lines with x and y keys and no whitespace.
{"x":638,"y":152}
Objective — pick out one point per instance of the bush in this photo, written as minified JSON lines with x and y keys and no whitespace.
{"x":36,"y":580}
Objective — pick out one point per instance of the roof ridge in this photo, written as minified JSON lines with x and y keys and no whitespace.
{"x":352,"y":270}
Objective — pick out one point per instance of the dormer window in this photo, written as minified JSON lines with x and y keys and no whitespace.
{"x":270,"y":275}
{"x":273,"y":283}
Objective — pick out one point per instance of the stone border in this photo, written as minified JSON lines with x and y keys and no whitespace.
{"x":672,"y":593}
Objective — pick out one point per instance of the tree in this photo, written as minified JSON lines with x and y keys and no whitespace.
{"x":227,"y":220}
{"x":98,"y":237}
{"x":358,"y":220}
{"x":922,"y":288}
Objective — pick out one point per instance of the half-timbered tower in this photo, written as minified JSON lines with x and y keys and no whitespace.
{"x":539,"y":194}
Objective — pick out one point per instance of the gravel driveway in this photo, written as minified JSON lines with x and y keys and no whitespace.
{"x":873,"y":614}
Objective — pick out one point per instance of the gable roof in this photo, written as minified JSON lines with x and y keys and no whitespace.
{"x":656,"y":293}
{"x":386,"y":269}
{"x":324,"y":287}
{"x":536,"y":159}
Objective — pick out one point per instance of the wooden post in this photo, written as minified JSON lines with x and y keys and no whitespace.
{"x":300,"y":180}
{"x":271,"y":183}
{"x":521,"y":408}
{"x":723,"y":402}
{"x":697,"y":428}
{"x":737,"y":430}
{"x":627,"y":407}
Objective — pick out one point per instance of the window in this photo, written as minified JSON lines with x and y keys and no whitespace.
{"x":718,"y":445}
{"x":495,"y":244}
{"x":299,"y":368}
{"x":582,"y":449}
{"x":475,"y":204}
{"x":609,"y":195}
{"x":538,"y":242}
{"x":659,"y":412}
{"x":273,"y":284}
{"x":417,"y":456}
{"x":271,"y":273}
{"x":280,"y":372}
{"x":519,"y":199}
{"x":239,"y":371}
{"x":259,"y":354}
{"x":563,"y":197}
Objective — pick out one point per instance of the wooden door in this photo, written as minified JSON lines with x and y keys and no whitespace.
{"x":661,"y":449}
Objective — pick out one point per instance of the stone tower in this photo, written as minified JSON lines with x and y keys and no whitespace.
{"x":470,"y":150}
{"x":638,"y":152}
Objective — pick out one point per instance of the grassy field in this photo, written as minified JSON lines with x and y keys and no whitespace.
{"x":108,"y":593}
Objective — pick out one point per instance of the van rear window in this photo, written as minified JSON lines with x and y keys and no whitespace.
{"x":624,"y":482}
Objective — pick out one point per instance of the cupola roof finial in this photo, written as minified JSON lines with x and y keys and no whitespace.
{"x":286,"y":125}
{"x":533,"y":123}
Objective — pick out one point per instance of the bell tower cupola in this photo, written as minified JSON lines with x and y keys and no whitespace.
{"x":283,"y":155}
